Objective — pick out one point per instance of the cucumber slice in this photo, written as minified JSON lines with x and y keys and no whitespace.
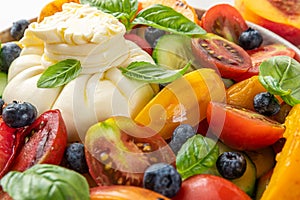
{"x":3,"y":82}
{"x":248,"y":180}
{"x":174,"y":52}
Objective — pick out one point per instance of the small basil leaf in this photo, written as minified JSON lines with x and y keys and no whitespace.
{"x":166,"y":18}
{"x":197,"y":155}
{"x":280,"y":75}
{"x":124,"y":10}
{"x":45,"y":181}
{"x":59,"y":74}
{"x":147,"y":72}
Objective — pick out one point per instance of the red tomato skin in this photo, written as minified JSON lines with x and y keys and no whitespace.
{"x":233,"y":22}
{"x":209,"y":187}
{"x":242,"y":129}
{"x":139,"y":41}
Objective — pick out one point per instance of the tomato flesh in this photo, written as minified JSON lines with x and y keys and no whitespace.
{"x":225,"y":21}
{"x":205,"y":186}
{"x":242,"y":129}
{"x":229,"y":59}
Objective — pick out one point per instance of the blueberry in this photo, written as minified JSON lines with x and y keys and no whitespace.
{"x":162,"y":178}
{"x":231,"y":165}
{"x":9,"y":52}
{"x":180,"y":135}
{"x":250,"y":39}
{"x":266,"y":104}
{"x":75,"y":157}
{"x":18,"y":28}
{"x":17,"y":114}
{"x":152,"y":35}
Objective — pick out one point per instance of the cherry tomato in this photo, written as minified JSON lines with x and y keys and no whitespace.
{"x":118,"y":151}
{"x":226,"y":57}
{"x":120,"y":192}
{"x":209,"y":187}
{"x":46,"y":140}
{"x":242,"y":129}
{"x":263,"y":53}
{"x":225,"y":21}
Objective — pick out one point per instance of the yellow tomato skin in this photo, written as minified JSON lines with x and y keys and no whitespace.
{"x":183,"y":101}
{"x":285,"y":181}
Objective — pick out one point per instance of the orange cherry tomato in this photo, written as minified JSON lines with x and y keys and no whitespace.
{"x":242,"y":129}
{"x":209,"y":187}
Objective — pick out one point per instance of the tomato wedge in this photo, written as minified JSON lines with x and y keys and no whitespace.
{"x":206,"y":186}
{"x":225,"y":21}
{"x":263,"y":53}
{"x":242,"y":129}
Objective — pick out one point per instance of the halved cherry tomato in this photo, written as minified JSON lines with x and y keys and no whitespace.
{"x":118,"y":151}
{"x":209,"y":187}
{"x":225,"y":21}
{"x":242,"y":129}
{"x":263,"y":53}
{"x":121,"y":192}
{"x":46,"y":141}
{"x":226,"y":57}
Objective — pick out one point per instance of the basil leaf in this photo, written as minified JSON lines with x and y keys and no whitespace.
{"x":144,"y":71}
{"x":45,"y":181}
{"x":166,"y":18}
{"x":197,"y":155}
{"x":59,"y":74}
{"x":280,"y":75}
{"x":124,"y":10}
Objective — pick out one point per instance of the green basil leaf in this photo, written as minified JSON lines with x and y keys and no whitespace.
{"x":197,"y":155}
{"x":166,"y":18}
{"x":144,"y":71}
{"x":280,"y":75}
{"x":124,"y":10}
{"x":59,"y":74}
{"x":45,"y":181}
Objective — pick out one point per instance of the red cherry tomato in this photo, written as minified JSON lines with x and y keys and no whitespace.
{"x":46,"y":141}
{"x":122,"y":192}
{"x":263,"y":53}
{"x":209,"y":187}
{"x":242,"y":129}
{"x":225,"y":21}
{"x":139,"y":41}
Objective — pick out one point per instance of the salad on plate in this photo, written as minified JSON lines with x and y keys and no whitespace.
{"x":121,"y":99}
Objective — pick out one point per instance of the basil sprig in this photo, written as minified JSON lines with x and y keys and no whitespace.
{"x":45,"y":181}
{"x":59,"y":74}
{"x":124,"y":10}
{"x":147,"y":72}
{"x":197,"y":155}
{"x":157,"y":15}
{"x":280,"y":75}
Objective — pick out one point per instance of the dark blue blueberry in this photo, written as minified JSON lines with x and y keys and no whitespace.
{"x":250,"y":39}
{"x":9,"y":52}
{"x":180,"y":135}
{"x":162,"y":178}
{"x":152,"y":35}
{"x":18,"y":28}
{"x":231,"y":165}
{"x":17,"y":114}
{"x":75,"y":157}
{"x":266,"y":104}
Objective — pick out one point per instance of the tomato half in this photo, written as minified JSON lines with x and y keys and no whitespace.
{"x":263,"y":53}
{"x":225,"y":21}
{"x":209,"y":187}
{"x":118,"y":151}
{"x":120,"y":192}
{"x":46,"y":140}
{"x":226,"y":57}
{"x":242,"y":129}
